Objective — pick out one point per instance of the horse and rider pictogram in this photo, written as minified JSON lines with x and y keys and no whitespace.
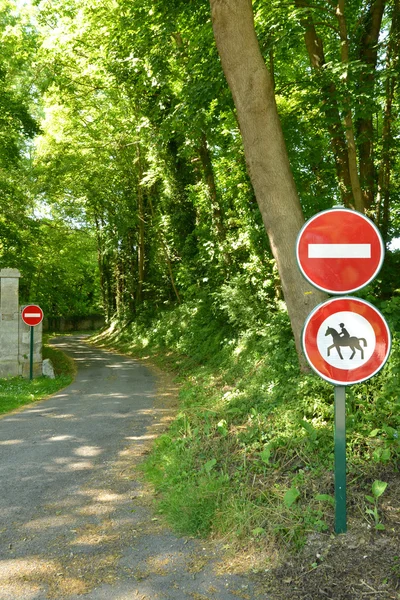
{"x":345,"y":339}
{"x":341,"y":323}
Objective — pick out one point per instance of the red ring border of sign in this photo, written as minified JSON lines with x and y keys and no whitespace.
{"x":356,"y":215}
{"x":332,"y":374}
{"x":32,"y":307}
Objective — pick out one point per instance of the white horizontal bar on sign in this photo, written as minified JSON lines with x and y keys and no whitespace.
{"x":339,"y":250}
{"x":32,"y":315}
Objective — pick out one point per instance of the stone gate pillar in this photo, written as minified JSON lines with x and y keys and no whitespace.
{"x":9,"y":322}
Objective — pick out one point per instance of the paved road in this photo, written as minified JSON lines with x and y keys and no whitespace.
{"x":75,"y":519}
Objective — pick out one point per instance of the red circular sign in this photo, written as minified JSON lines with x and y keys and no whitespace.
{"x":339,"y":251}
{"x":346,"y":340}
{"x":32,"y":315}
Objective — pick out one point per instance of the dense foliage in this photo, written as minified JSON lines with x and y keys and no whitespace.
{"x":140,"y":140}
{"x":123,"y":185}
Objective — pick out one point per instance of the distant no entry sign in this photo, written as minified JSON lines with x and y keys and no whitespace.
{"x":339,"y":251}
{"x":346,"y":340}
{"x":32,"y":315}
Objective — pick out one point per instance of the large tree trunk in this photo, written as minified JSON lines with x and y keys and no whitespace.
{"x":265,"y":150}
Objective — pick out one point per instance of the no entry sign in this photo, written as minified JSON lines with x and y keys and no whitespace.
{"x":346,"y":340}
{"x":339,"y":251}
{"x":32,"y":315}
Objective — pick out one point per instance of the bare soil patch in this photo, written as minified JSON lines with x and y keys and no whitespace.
{"x":363,"y":564}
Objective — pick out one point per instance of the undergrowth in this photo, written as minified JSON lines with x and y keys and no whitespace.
{"x":249,"y":456}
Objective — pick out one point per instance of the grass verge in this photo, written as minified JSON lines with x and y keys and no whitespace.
{"x":16,"y":392}
{"x":250,"y":453}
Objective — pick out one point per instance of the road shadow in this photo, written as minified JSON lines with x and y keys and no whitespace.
{"x":76,"y":518}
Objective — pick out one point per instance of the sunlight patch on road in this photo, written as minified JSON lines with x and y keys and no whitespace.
{"x":140,"y":438}
{"x":88,"y":451}
{"x":21,"y":567}
{"x":53,"y":521}
{"x":93,"y":535}
{"x":28,"y":592}
{"x":94,"y":510}
{"x":83,"y":465}
{"x":106,"y":496}
{"x":65,"y":464}
{"x":62,"y":416}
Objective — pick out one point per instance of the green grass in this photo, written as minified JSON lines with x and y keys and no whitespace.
{"x":63,"y":365}
{"x":17,"y":391}
{"x":250,"y":454}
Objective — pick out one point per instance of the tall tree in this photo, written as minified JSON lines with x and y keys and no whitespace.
{"x":266,"y":156}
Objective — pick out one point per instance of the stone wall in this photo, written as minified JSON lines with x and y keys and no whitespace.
{"x":67,"y":324}
{"x":14,"y":334}
{"x":9,"y":323}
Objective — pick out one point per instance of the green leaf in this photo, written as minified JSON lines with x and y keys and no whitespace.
{"x":265,"y":455}
{"x":325,"y":498}
{"x":312,"y":432}
{"x":374,"y":432}
{"x":223,"y":427}
{"x":210,"y":465}
{"x":377,"y":454}
{"x":380,"y":527}
{"x":378,"y":487}
{"x":290,"y":497}
{"x":370,"y":499}
{"x":258,"y":531}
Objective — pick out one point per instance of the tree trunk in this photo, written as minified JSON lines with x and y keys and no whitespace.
{"x":316,"y":54}
{"x":368,"y":53}
{"x":348,"y":117}
{"x":216,"y":209}
{"x":265,"y":151}
{"x":140,"y":197}
{"x":119,"y":278}
{"x":166,"y":254}
{"x":132,"y":263}
{"x":212,"y":189}
{"x":100,"y":259}
{"x":387,"y":159}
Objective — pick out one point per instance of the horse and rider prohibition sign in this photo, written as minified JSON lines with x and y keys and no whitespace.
{"x":346,"y":340}
{"x":339,"y":251}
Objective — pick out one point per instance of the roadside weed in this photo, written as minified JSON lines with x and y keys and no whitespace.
{"x":378,"y":488}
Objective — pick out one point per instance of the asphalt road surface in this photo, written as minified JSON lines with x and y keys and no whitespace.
{"x":76,"y":520}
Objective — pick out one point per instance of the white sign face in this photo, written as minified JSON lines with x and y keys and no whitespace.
{"x":346,"y":340}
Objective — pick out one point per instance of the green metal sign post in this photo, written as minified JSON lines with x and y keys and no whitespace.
{"x":31,"y":315}
{"x":340,"y":460}
{"x":31,"y":356}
